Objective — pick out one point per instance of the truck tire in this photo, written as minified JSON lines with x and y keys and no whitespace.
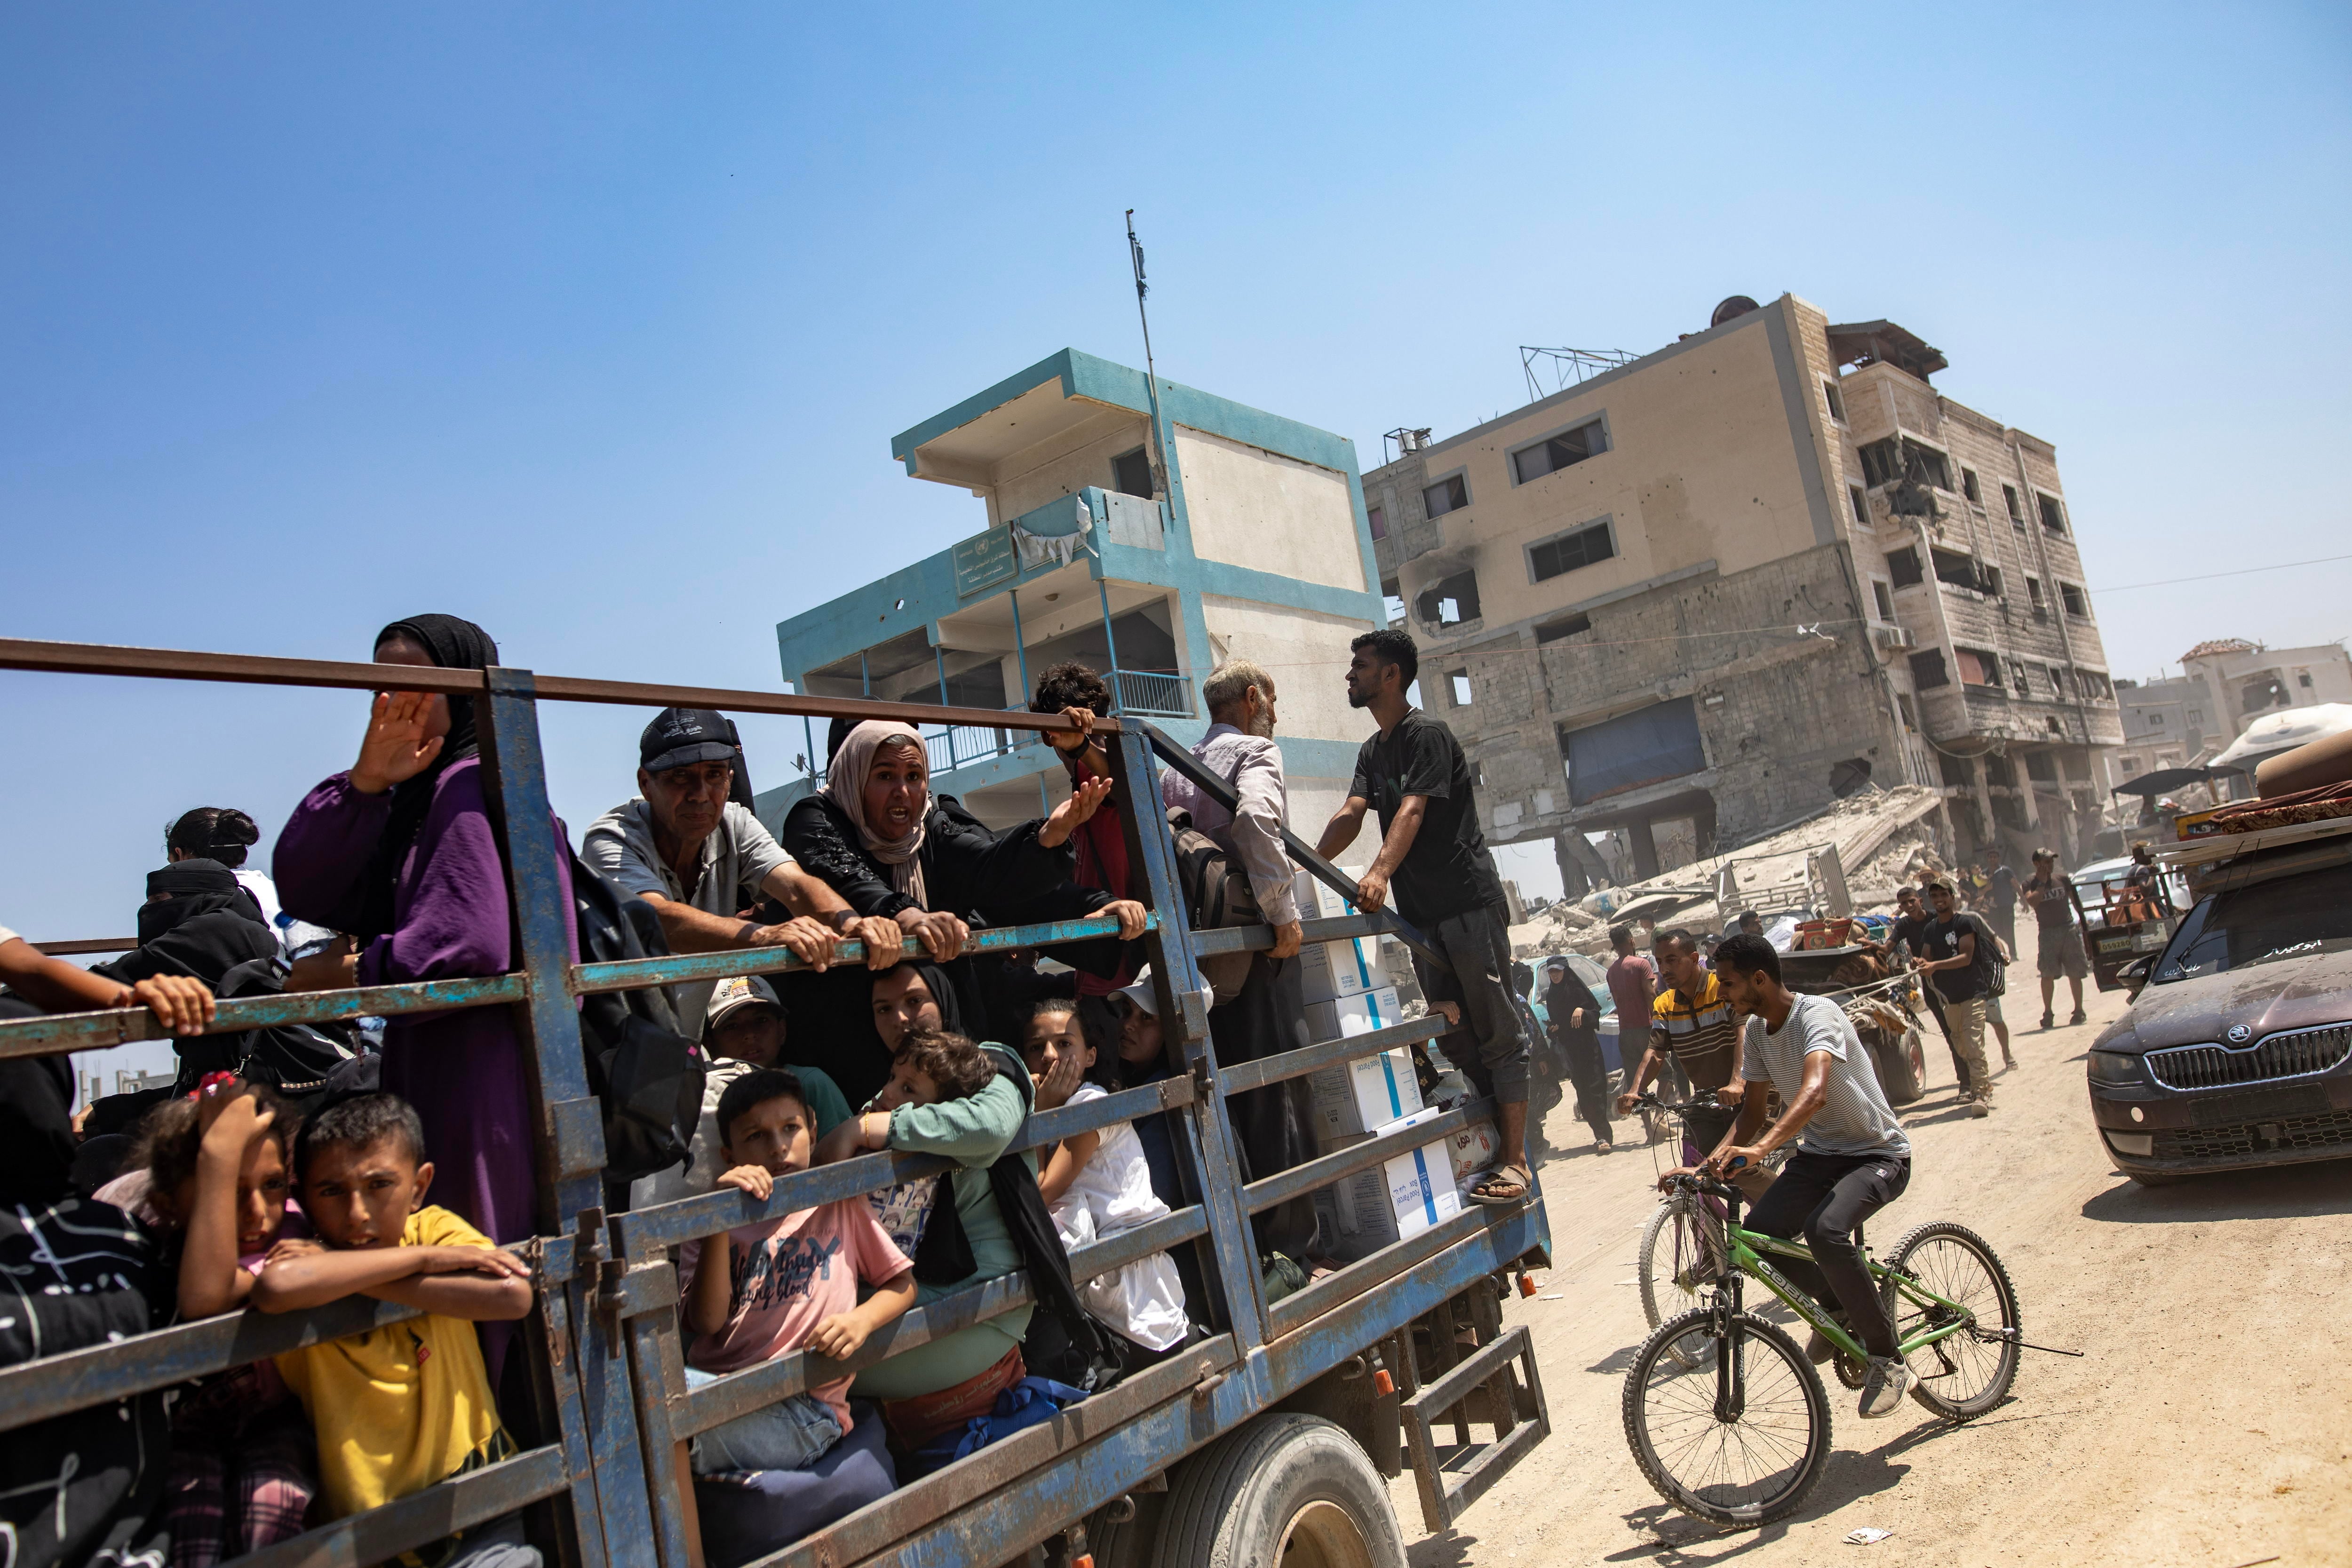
{"x":1285,"y":1490}
{"x":1902,"y":1065}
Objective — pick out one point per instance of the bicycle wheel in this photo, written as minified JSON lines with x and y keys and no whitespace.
{"x":1965,"y":1375}
{"x":1681,"y":1257}
{"x":1748,"y":1470}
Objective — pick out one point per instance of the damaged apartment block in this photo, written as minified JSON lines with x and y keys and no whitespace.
{"x":1700,"y":594}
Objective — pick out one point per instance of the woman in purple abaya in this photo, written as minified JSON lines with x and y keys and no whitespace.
{"x":398,"y":853}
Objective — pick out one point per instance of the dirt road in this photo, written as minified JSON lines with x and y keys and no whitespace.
{"x":2209,"y":1424}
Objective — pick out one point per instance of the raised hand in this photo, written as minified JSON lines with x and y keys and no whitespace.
{"x":405,"y":732}
{"x":1086,"y":799}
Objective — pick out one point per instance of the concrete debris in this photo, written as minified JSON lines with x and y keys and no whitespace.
{"x":1881,"y":836}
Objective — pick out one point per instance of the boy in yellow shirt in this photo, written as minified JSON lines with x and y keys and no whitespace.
{"x":396,"y":1408}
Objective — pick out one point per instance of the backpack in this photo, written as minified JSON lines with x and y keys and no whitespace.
{"x":1217,"y":893}
{"x":647,"y":1076}
{"x":1995,"y":967}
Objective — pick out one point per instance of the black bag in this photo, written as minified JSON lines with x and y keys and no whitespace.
{"x":292,"y":1058}
{"x":1216,"y":893}
{"x":1995,"y":967}
{"x":646,"y":1075}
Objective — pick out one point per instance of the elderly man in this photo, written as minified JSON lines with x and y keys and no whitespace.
{"x":1274,"y":1125}
{"x":1239,"y":748}
{"x":699,"y":860}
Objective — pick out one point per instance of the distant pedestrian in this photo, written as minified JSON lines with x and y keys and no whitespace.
{"x":1634,"y":986}
{"x":1961,"y":955}
{"x":1573,"y":1019}
{"x":2059,"y":950}
{"x":1998,"y":902}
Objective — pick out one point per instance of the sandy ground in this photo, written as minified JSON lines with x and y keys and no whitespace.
{"x":2209,"y":1423}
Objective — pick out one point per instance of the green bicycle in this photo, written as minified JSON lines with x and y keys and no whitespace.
{"x":1727,"y":1418}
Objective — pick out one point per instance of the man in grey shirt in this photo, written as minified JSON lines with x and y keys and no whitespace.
{"x":1854,"y":1161}
{"x":1240,"y":749}
{"x":699,"y":860}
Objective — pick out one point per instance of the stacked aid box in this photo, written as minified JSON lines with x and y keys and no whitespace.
{"x":1348,"y":993}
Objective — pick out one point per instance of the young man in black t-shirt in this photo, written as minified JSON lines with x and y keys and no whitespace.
{"x":1435,"y":858}
{"x":1959,"y":959}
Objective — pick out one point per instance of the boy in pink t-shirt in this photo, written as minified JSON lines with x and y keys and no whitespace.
{"x":765,"y":1291}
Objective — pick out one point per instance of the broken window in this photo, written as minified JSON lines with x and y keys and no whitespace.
{"x":1928,"y":669}
{"x":1837,"y":405}
{"x":1882,"y":463}
{"x":2016,"y":512}
{"x":2077,"y":603}
{"x":1910,"y":714}
{"x":1447,"y":495}
{"x":1926,"y":465}
{"x":1566,"y":450}
{"x":1884,"y":596}
{"x":1644,"y":747}
{"x":2303,"y":678}
{"x":1860,"y":504}
{"x":2057,"y":681}
{"x":1978,"y":668}
{"x":1131,"y":473}
{"x":1458,"y":683}
{"x":1566,"y":627}
{"x":1450,"y":602}
{"x":1584,"y":547}
{"x":1379,"y":521}
{"x":1851,"y":776}
{"x":2269,"y":691}
{"x":1903,"y":566}
{"x":2021,"y":678}
{"x":1392,"y":600}
{"x":2052,"y":518}
{"x":1968,"y":485}
{"x":2033,"y":592}
{"x":1960,"y":571}
{"x":1989,"y":575}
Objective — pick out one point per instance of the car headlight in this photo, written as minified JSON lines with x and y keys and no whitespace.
{"x":2113,"y":1066}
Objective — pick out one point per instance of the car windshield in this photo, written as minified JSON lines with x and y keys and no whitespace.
{"x":2289,"y":918}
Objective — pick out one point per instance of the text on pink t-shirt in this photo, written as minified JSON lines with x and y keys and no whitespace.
{"x":790,"y":1275}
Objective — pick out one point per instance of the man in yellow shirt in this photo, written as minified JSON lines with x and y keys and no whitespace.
{"x":397,"y":1408}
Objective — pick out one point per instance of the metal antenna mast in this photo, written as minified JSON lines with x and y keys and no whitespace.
{"x":1151,"y":374}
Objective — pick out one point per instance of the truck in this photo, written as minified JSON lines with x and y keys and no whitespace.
{"x":1274,"y":1435}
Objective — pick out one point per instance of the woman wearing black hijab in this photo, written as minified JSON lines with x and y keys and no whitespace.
{"x":399,"y":853}
{"x":197,"y":922}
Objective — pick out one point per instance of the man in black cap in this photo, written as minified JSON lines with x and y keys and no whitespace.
{"x":700,"y":859}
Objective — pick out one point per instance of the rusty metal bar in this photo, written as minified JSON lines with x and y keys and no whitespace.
{"x":58,"y":1385}
{"x":420,"y":1518}
{"x":1256,"y":939}
{"x":1023,"y":1459}
{"x":88,"y":944}
{"x":631,"y":973}
{"x":1323,"y":1053}
{"x":61,"y":1032}
{"x":181,"y":664}
{"x":1284,"y":1186}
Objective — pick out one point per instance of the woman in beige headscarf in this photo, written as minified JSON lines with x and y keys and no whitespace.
{"x":878,"y":837}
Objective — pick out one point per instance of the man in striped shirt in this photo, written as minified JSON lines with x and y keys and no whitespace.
{"x":1692,"y":1021}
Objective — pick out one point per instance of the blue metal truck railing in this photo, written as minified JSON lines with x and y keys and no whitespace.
{"x":603,"y":1341}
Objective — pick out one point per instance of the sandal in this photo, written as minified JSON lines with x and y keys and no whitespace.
{"x":1484,"y":1185}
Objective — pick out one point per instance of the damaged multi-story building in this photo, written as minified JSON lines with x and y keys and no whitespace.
{"x":1696,"y":595}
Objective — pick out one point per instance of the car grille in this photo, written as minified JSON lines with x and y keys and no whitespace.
{"x":2296,"y":1055}
{"x":2286,"y":1134}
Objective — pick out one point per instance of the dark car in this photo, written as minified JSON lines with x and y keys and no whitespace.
{"x":2238,"y":1050}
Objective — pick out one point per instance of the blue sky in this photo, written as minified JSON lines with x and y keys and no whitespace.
{"x":593,"y":323}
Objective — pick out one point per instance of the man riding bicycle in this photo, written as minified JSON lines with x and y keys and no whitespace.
{"x":1854,"y":1160}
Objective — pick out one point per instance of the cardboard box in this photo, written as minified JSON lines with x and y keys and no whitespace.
{"x":1348,"y":967}
{"x":1472,"y":1149}
{"x":1368,"y":1092}
{"x":1344,"y":1016}
{"x":1399,"y":1198}
{"x":1317,"y":900}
